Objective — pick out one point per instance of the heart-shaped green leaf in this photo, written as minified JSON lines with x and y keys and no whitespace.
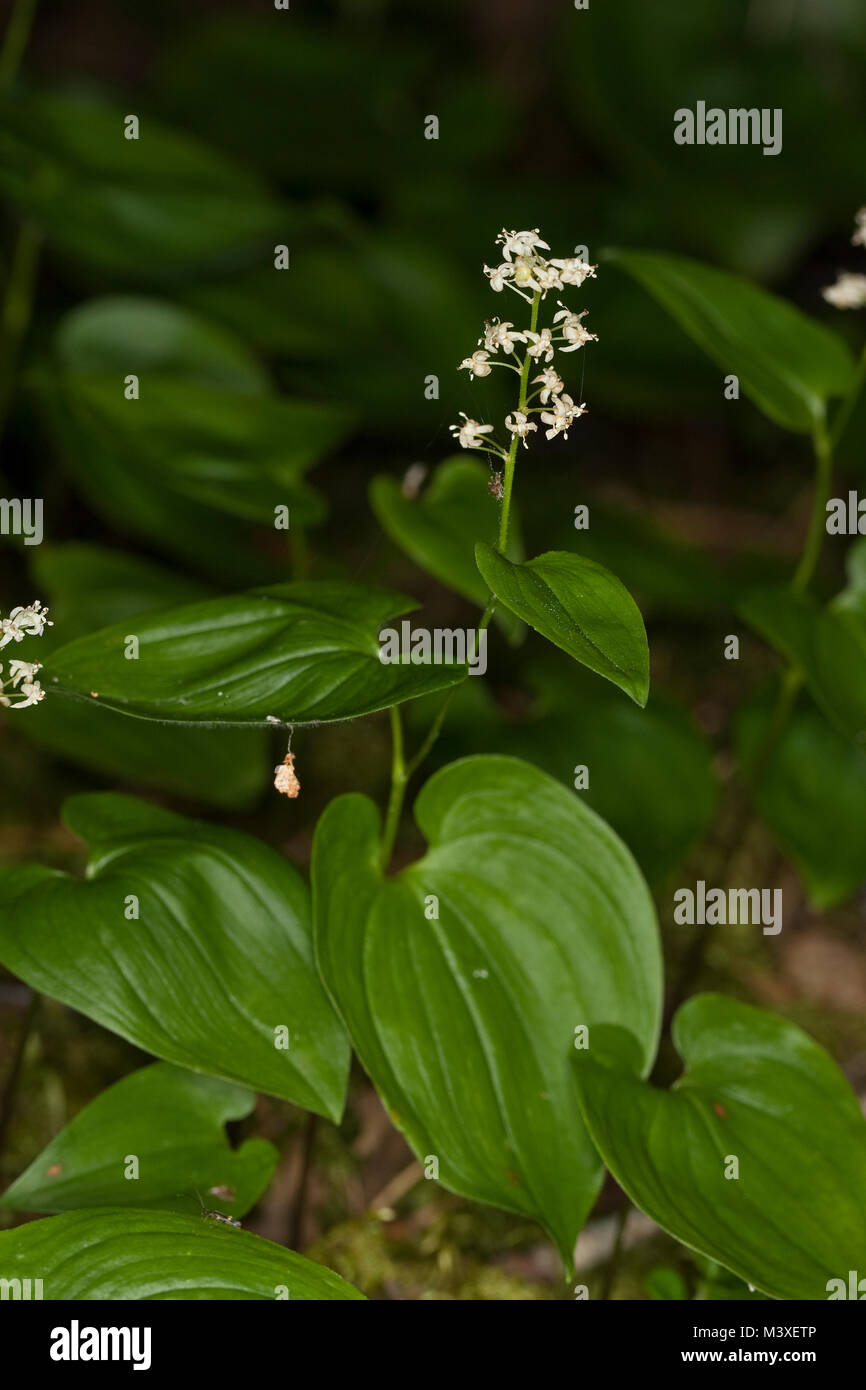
{"x":118,"y":1253}
{"x":439,"y":528}
{"x":464,"y":980}
{"x":756,"y":1090}
{"x":171,"y":1122}
{"x":788,"y":364}
{"x":579,"y":606}
{"x":294,"y":653}
{"x":89,"y":587}
{"x":188,"y":939}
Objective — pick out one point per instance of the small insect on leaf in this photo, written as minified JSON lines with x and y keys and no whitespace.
{"x":216,"y":1215}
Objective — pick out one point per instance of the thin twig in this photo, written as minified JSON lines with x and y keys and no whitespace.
{"x":7,"y":1104}
{"x":299,"y":1209}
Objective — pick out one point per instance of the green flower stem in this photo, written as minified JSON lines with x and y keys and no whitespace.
{"x":846,"y":410}
{"x":401,"y":772}
{"x":436,"y":726}
{"x":15,"y":40}
{"x":823,"y":445}
{"x":399,"y":778}
{"x":505,"y":514}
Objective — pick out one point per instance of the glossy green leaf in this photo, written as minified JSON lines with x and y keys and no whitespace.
{"x":149,"y":209}
{"x":465,"y":1019}
{"x":579,"y":606}
{"x":295,"y":653}
{"x":439,"y":528}
{"x":788,"y":364}
{"x":757,"y":1089}
{"x":118,"y":1253}
{"x":169,"y":1119}
{"x":89,"y":587}
{"x":812,"y":794}
{"x":218,"y":959}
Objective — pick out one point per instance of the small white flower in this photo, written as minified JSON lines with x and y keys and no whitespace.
{"x":25,"y":687}
{"x":551,"y":384}
{"x":572,"y":329}
{"x":562,"y":417}
{"x":859,"y":237}
{"x":849,"y":291}
{"x":574,"y":271}
{"x":24,"y":622}
{"x":498,"y":275}
{"x":469,"y":435}
{"x":521,"y":425}
{"x":477,"y":364}
{"x":526,"y":270}
{"x":548,"y":277}
{"x":501,"y":335}
{"x":540,"y":345}
{"x":520,"y":244}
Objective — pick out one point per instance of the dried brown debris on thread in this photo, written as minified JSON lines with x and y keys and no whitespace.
{"x":285,"y":777}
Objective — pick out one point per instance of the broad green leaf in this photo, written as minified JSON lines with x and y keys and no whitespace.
{"x":579,"y":606}
{"x":89,"y":587}
{"x":145,"y":210}
{"x":827,"y":646}
{"x":439,"y":529}
{"x":143,"y":334}
{"x":218,"y":960}
{"x":172,"y":1121}
{"x":788,"y":364}
{"x":118,"y":1253}
{"x":238,"y":453}
{"x":462,"y":981}
{"x":295,"y":653}
{"x":812,"y":793}
{"x":757,"y":1089}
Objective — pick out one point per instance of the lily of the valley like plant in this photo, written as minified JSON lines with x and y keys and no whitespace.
{"x":504,"y":990}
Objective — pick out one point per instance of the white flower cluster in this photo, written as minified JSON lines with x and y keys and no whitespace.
{"x":525,"y":271}
{"x":849,"y":291}
{"x":20,"y":688}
